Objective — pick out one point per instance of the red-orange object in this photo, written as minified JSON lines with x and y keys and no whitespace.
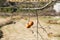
{"x":28,"y":25}
{"x":31,"y":23}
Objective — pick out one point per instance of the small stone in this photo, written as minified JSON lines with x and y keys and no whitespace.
{"x":1,"y":34}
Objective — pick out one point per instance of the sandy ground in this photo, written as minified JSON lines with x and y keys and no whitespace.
{"x":19,"y":31}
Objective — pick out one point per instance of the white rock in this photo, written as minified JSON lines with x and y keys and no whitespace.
{"x":56,"y":7}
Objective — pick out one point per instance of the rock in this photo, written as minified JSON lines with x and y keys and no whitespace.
{"x":5,"y":21}
{"x":1,"y":34}
{"x":57,"y":7}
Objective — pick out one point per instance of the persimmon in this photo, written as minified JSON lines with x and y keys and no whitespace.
{"x":31,"y":23}
{"x":28,"y":25}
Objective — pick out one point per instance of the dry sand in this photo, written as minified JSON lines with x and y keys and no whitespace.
{"x":19,"y":31}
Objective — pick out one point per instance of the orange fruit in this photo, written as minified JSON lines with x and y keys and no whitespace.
{"x":31,"y":23}
{"x":28,"y":25}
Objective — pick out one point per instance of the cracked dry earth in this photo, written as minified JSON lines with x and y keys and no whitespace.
{"x":18,"y":31}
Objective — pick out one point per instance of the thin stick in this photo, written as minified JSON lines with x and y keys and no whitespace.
{"x":38,"y":34}
{"x":42,"y":27}
{"x":37,"y":23}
